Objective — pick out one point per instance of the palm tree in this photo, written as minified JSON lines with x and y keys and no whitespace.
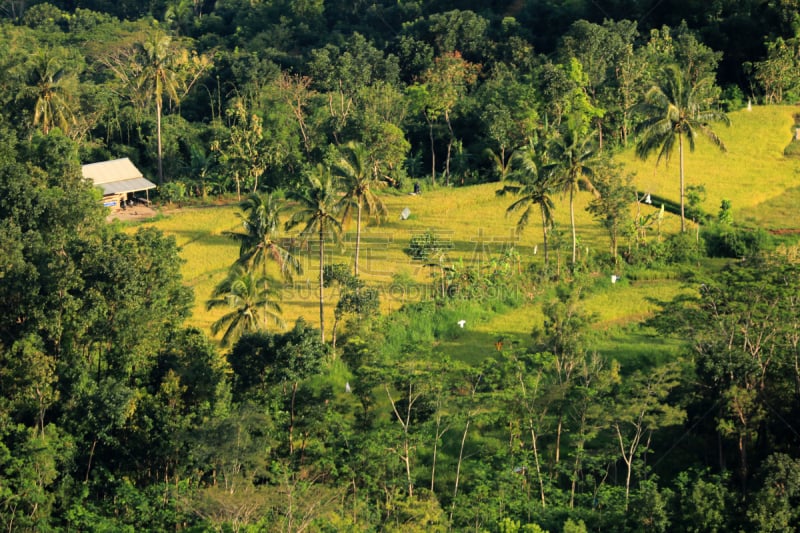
{"x":573,"y":155}
{"x":249,"y":296}
{"x":320,"y":203}
{"x":534,"y":184}
{"x":159,"y":78}
{"x":360,"y":178}
{"x":500,"y":161}
{"x":52,"y":88}
{"x":257,"y":243}
{"x":155,"y":69}
{"x":674,"y":109}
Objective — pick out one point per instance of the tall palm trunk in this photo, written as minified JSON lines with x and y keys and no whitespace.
{"x":572,"y":221}
{"x":544,"y":235}
{"x":433,"y":151}
{"x":358,"y":236}
{"x":433,"y":154}
{"x":158,"y":135}
{"x":680,"y":155}
{"x":449,"y":148}
{"x":321,"y":279}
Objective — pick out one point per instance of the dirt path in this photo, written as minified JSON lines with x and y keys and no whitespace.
{"x":139,"y":212}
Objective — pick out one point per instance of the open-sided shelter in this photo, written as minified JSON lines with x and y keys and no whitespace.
{"x":119,"y":179}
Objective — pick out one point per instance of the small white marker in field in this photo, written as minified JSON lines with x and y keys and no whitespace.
{"x":461,"y":323}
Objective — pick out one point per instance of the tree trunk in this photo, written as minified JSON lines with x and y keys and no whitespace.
{"x":576,"y":468}
{"x":447,"y":162}
{"x":624,"y":128}
{"x":435,"y":450}
{"x":449,"y":147}
{"x":436,"y":436}
{"x":358,"y":236}
{"x":559,"y":427}
{"x":321,"y":285}
{"x":572,"y":221}
{"x":407,"y":461}
{"x":89,"y":464}
{"x":534,"y":444}
{"x":628,"y":456}
{"x":458,"y":466}
{"x":600,"y":134}
{"x":536,"y":461}
{"x":333,"y":333}
{"x":433,"y":152}
{"x":544,"y":235}
{"x":158,"y":135}
{"x":291,"y":420}
{"x":680,"y":153}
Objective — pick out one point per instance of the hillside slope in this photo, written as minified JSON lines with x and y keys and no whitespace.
{"x":762,"y":184}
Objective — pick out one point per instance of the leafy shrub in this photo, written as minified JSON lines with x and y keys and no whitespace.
{"x":427,"y":245}
{"x":695,"y":196}
{"x":723,"y":240}
{"x":172,"y":191}
{"x":683,"y":248}
{"x":675,"y":249}
{"x":732,"y":98}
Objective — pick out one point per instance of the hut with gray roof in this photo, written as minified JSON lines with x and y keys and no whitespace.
{"x":120,"y":180}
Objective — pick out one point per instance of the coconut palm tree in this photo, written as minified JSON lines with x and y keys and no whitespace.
{"x":52,"y":88}
{"x":319,"y":206}
{"x":573,"y":156}
{"x":249,"y":298}
{"x":158,"y":76}
{"x":156,"y":69}
{"x":257,"y":242}
{"x":533,"y":184}
{"x":673,"y":109}
{"x":360,"y":178}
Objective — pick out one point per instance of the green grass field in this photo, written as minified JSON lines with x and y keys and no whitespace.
{"x":763,"y":185}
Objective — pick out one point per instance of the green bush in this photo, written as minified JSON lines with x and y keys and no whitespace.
{"x":723,"y":240}
{"x":427,"y":245}
{"x":675,"y":249}
{"x":732,"y":99}
{"x":683,"y":248}
{"x":172,"y":191}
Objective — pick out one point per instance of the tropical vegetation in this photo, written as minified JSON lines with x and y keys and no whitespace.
{"x":183,"y":373}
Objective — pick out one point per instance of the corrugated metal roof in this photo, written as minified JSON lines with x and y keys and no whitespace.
{"x":119,"y":187}
{"x":117,"y":176}
{"x":106,"y":171}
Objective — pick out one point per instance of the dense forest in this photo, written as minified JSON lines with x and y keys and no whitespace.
{"x":117,"y":416}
